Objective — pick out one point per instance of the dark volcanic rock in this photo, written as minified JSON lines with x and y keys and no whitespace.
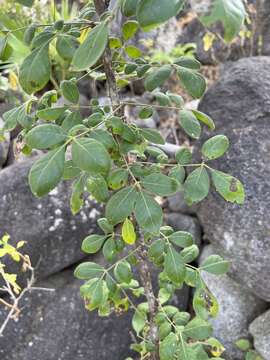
{"x":237,"y":308}
{"x":56,"y":326}
{"x":240,"y":105}
{"x":52,"y":233}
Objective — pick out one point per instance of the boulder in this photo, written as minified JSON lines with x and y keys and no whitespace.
{"x":55,"y":325}
{"x":52,"y":233}
{"x":177,"y":203}
{"x":240,"y":105}
{"x":238,"y":307}
{"x":260,"y":330}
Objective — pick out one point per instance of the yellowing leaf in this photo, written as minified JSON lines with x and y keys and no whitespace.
{"x":128,"y":232}
{"x":21,"y":244}
{"x":11,"y":279}
{"x":13,"y":80}
{"x":208,"y":41}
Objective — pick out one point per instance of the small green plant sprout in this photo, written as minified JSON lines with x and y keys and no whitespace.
{"x":246,"y":346}
{"x":122,"y":166}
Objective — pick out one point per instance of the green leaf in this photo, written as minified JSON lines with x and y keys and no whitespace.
{"x":91,"y":156}
{"x":183,"y":156}
{"x":198,"y":329}
{"x":174,"y":266}
{"x":96,"y":293}
{"x":128,"y":232}
{"x":215,"y":147}
{"x":129,"y":29}
{"x":253,"y":355}
{"x":164,"y":329}
{"x":190,"y":124}
{"x":153,"y":136}
{"x":162,"y":99}
{"x":190,"y":253}
{"x":93,"y":243}
{"x":243,"y":344}
{"x":70,"y":171}
{"x":146,"y":112}
{"x":176,"y":99}
{"x":154,"y":12}
{"x":122,"y":272}
{"x":156,"y":250}
{"x":178,"y":173}
{"x":43,"y":38}
{"x":117,"y":179}
{"x":168,"y":347}
{"x":133,"y":52}
{"x":157,"y":78}
{"x":188,"y":62}
{"x":230,"y":12}
{"x":76,"y":199}
{"x":13,"y":116}
{"x":71,"y":120}
{"x":66,"y":46}
{"x":189,"y":351}
{"x":139,"y":321}
{"x":88,"y":270}
{"x":92,"y":48}
{"x":98,"y":188}
{"x":105,"y":226}
{"x":148,"y":213}
{"x":70,"y":91}
{"x":51,"y":114}
{"x":230,"y":188}
{"x":204,"y":302}
{"x":46,"y":172}
{"x":110,"y":249}
{"x":205,"y":119}
{"x":28,"y":3}
{"x":160,"y":184}
{"x":196,"y":186}
{"x":45,"y":136}
{"x":181,"y":238}
{"x":129,"y":7}
{"x":35,"y":70}
{"x":215,"y":264}
{"x":192,"y":81}
{"x":121,"y":205}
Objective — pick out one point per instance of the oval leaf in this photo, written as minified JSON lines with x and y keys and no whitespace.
{"x":91,"y":156}
{"x":190,"y":124}
{"x":148,"y":213}
{"x":154,"y":12}
{"x":215,"y":147}
{"x":121,"y":205}
{"x":196,"y":186}
{"x":45,"y":136}
{"x":92,"y":48}
{"x":35,"y":70}
{"x":46,"y":172}
{"x":160,"y":184}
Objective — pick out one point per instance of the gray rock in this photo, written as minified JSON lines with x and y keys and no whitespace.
{"x":238,"y":307}
{"x":260,"y":330}
{"x":52,"y":233}
{"x":177,"y":203}
{"x":240,"y":105}
{"x":185,"y":223}
{"x":56,"y":326}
